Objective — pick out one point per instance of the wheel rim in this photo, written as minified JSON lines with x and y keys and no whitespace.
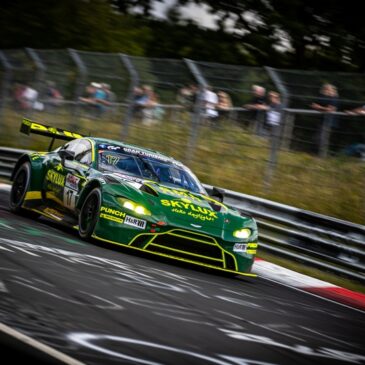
{"x":88,"y":213}
{"x":19,"y":187}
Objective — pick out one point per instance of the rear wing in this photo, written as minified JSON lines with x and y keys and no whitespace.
{"x":28,"y":127}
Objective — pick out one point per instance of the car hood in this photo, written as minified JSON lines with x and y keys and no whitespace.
{"x":177,"y":206}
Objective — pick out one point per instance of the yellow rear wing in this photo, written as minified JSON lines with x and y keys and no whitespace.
{"x":28,"y":127}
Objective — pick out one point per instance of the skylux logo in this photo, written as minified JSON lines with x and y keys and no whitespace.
{"x":55,"y":178}
{"x":190,"y":207}
{"x":183,"y":194}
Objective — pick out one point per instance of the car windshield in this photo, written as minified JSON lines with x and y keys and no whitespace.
{"x":165,"y":172}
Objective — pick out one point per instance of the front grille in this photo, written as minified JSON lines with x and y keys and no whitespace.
{"x":189,"y":246}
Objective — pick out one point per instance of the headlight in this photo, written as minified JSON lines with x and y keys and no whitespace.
{"x":242,"y":233}
{"x":134,"y":207}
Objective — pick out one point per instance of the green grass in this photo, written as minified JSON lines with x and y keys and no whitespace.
{"x":230,"y":157}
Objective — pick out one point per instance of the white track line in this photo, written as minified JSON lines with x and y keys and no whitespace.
{"x":39,"y":346}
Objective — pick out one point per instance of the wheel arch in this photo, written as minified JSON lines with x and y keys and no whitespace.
{"x":37,"y":170}
{"x":90,"y":186}
{"x":21,"y":160}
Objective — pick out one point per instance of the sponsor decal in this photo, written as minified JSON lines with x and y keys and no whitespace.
{"x":55,"y":178}
{"x":111,"y":218}
{"x":35,"y":127}
{"x":111,"y":211}
{"x":37,"y":155}
{"x":239,"y":247}
{"x":183,"y":194}
{"x":110,"y":147}
{"x":72,"y":181}
{"x":54,"y":213}
{"x":195,"y":211}
{"x":135,"y":222}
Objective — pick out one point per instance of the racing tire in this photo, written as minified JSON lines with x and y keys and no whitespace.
{"x":19,"y":188}
{"x":89,"y":213}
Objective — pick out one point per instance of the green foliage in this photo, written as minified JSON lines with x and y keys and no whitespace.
{"x":327,"y":34}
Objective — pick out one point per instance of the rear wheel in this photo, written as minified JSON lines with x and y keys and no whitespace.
{"x":19,"y":188}
{"x":89,"y":213}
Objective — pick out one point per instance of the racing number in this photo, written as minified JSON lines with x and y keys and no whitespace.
{"x":69,"y":198}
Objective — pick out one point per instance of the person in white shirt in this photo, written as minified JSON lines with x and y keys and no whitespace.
{"x":210,"y":99}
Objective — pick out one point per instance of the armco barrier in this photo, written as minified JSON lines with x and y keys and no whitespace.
{"x":313,"y":239}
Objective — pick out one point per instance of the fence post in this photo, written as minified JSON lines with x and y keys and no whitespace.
{"x":325,"y":135}
{"x":288,"y":127}
{"x":130,"y":105}
{"x":277,"y":131}
{"x":198,"y":107}
{"x":81,"y":81}
{"x":8,"y":71}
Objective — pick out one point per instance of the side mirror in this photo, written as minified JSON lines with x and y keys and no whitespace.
{"x":66,"y":154}
{"x":217,"y":194}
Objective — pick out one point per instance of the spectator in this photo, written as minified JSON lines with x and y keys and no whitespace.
{"x":210,"y":102}
{"x":258,"y":101}
{"x":187,"y":97}
{"x":149,"y":105}
{"x":139,"y":100}
{"x":53,"y":97}
{"x":257,"y":106}
{"x":96,"y":97}
{"x":19,"y":101}
{"x":327,"y":103}
{"x":183,"y":96}
{"x":328,"y":99}
{"x":224,"y":104}
{"x":89,"y":97}
{"x":274,"y":111}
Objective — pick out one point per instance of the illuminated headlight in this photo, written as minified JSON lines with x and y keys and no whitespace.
{"x":137,"y":208}
{"x":242,"y":233}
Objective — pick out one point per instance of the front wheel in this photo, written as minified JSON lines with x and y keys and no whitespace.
{"x":19,"y":188}
{"x":89,"y":213}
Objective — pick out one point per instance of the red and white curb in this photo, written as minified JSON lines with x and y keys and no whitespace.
{"x":308,"y":284}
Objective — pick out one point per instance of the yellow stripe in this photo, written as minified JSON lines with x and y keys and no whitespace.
{"x":31,"y":195}
{"x":176,"y":258}
{"x":251,"y":252}
{"x":50,"y":195}
{"x":184,"y":252}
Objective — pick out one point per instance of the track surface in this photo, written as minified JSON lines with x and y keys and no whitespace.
{"x":104,"y":305}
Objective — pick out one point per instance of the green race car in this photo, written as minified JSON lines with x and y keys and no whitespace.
{"x":134,"y":197}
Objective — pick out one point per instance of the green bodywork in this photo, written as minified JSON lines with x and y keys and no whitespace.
{"x":174,"y":222}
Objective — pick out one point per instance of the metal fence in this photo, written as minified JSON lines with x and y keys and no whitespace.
{"x":314,"y":160}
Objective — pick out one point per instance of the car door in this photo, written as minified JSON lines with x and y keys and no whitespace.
{"x":66,"y":175}
{"x":76,"y":171}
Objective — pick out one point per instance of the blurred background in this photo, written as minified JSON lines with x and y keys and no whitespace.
{"x":145,"y":72}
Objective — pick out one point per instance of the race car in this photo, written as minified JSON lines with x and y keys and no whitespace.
{"x":132,"y":196}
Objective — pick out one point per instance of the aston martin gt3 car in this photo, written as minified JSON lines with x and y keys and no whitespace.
{"x":132,"y":196}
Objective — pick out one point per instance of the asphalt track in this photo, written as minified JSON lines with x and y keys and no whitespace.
{"x":105,"y":305}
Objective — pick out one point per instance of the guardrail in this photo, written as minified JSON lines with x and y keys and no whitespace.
{"x":313,"y":239}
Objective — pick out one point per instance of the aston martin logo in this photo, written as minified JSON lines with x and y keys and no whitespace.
{"x":195,"y":225}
